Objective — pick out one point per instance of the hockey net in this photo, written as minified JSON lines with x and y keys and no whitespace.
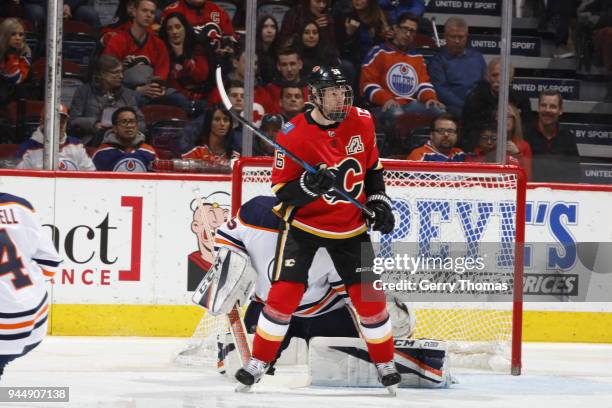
{"x":434,"y":204}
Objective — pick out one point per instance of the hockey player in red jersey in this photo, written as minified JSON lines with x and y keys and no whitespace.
{"x":339,"y":140}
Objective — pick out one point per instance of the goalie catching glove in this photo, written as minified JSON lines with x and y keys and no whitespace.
{"x":319,"y":183}
{"x":384,"y":220}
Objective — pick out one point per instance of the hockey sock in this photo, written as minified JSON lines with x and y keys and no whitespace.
{"x":374,"y":321}
{"x":274,"y":319}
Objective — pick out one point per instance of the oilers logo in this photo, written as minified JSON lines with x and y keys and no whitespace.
{"x":67,"y":165}
{"x":130,"y":165}
{"x":402,"y":79}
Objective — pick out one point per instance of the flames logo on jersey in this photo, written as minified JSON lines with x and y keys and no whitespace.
{"x":349,"y":176}
{"x":402,"y":79}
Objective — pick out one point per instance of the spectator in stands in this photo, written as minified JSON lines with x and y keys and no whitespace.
{"x":291,"y":102}
{"x":486,"y":150}
{"x":201,"y":13}
{"x":395,"y":8}
{"x":360,"y":28}
{"x":94,"y":103}
{"x":267,"y":45}
{"x":288,"y":64}
{"x":481,"y":103}
{"x":214,"y":139}
{"x":443,"y":137}
{"x":80,"y":10}
{"x":456,"y":69}
{"x":560,"y":15}
{"x":313,"y":52}
{"x":212,"y":27}
{"x":15,"y":60}
{"x":143,"y":54}
{"x":262,"y":102}
{"x":270,"y":125}
{"x":517,"y":147}
{"x":124,"y":148}
{"x":555,"y":155}
{"x":189,"y":67}
{"x":72,"y":153}
{"x":11,"y":8}
{"x":121,"y":22}
{"x":307,"y":10}
{"x":595,"y":18}
{"x":395,"y":80}
{"x":235,"y":93}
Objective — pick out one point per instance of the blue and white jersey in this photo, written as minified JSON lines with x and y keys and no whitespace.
{"x":28,"y":260}
{"x":254,"y":231}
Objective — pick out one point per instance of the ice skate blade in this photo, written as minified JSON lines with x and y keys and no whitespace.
{"x":392,"y":389}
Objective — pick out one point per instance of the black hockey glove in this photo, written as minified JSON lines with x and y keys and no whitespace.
{"x":319,"y":183}
{"x":384,"y":220}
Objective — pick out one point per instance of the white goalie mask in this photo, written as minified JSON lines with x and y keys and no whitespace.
{"x":229,"y":281}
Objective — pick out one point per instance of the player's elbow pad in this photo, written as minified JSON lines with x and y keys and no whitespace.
{"x":293,"y":194}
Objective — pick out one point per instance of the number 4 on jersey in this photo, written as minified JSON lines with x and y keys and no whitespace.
{"x":11,"y":263}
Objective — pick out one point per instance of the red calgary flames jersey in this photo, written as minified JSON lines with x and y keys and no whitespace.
{"x":198,"y":16}
{"x":349,"y":150}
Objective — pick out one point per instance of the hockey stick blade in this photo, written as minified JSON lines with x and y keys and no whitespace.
{"x":228,"y":105}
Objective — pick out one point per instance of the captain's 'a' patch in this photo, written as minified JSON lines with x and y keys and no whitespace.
{"x":354,"y":145}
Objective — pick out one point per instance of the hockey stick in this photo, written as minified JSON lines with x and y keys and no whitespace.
{"x":236,"y":325}
{"x":264,"y":137}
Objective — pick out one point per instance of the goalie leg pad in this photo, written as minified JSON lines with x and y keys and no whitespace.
{"x":229,"y":281}
{"x":344,"y":362}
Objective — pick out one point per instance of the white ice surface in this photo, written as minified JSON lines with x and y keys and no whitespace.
{"x":138,"y":373}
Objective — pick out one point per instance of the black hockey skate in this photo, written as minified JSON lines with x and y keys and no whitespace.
{"x":251,"y":373}
{"x":388,"y":375}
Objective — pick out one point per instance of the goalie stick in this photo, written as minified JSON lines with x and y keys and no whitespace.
{"x":237,"y":328}
{"x":264,"y":137}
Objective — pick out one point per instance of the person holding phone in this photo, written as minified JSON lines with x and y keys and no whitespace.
{"x":142,"y":52}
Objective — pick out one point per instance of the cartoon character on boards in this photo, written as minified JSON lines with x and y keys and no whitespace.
{"x":208,"y":214}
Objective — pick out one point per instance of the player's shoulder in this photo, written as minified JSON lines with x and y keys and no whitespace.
{"x":257,"y":213}
{"x":8,"y":199}
{"x":376,"y":51}
{"x":290,"y":127}
{"x":360,"y":118}
{"x":360,"y":113}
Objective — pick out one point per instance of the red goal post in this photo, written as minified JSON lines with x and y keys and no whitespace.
{"x":483,"y":327}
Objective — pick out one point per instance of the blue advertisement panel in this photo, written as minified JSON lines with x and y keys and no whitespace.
{"x":523,"y":45}
{"x":486,"y":8}
{"x":592,"y":140}
{"x":531,"y":87}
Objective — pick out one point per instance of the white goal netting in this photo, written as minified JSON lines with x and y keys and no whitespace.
{"x":441,"y":210}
